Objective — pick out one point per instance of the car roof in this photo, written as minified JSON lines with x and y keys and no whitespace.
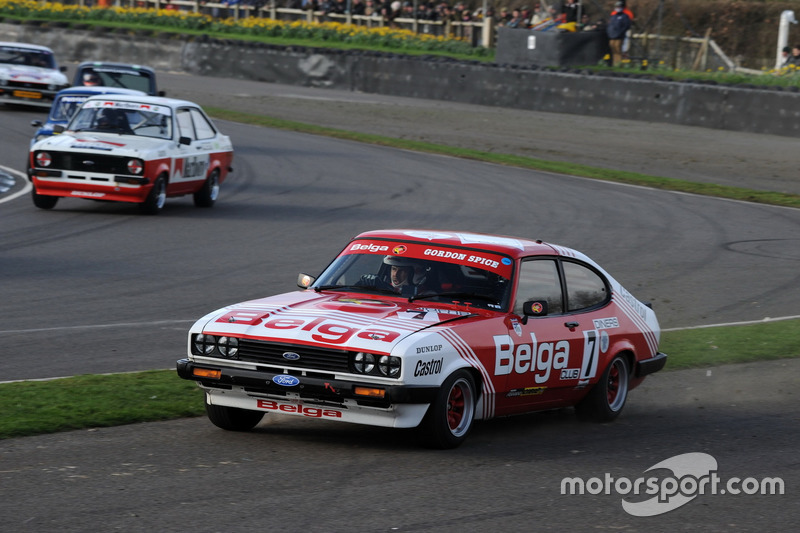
{"x":118,"y":66}
{"x":503,"y":244}
{"x":144,"y":99}
{"x":26,"y":45}
{"x":95,"y":90}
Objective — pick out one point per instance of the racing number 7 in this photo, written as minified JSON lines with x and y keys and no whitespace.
{"x":591,"y":350}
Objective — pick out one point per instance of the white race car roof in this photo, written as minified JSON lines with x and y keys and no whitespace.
{"x":144,"y":99}
{"x":26,"y":45}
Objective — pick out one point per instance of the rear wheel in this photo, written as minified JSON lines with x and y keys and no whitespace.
{"x":155,"y":201}
{"x":232,"y":418}
{"x":43,"y":202}
{"x":605,"y":401}
{"x":449,"y":418}
{"x":209,"y":192}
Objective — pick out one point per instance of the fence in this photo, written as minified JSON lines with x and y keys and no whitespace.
{"x":479,"y":33}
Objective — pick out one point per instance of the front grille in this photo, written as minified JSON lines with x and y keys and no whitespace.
{"x":89,"y":162}
{"x":312,"y":357}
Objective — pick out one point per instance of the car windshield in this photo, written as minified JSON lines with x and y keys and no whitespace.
{"x":422,"y":272}
{"x":17,"y":55}
{"x":65,"y":107}
{"x":123,"y":118}
{"x":117,"y":77}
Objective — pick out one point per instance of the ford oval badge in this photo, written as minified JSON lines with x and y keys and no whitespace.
{"x":285,"y":380}
{"x":291,"y":356}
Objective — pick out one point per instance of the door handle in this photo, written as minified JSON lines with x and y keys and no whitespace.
{"x":571,"y":325}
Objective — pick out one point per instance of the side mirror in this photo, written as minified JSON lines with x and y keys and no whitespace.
{"x":535,"y":308}
{"x":304,"y":281}
{"x":36,"y":123}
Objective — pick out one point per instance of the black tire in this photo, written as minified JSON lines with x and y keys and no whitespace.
{"x":43,"y":202}
{"x":232,"y":418}
{"x":605,"y":401}
{"x":209,"y":192}
{"x":155,"y":201}
{"x":449,"y":418}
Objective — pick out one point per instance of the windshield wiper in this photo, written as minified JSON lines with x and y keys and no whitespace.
{"x":467,"y":295}
{"x":361,"y":288}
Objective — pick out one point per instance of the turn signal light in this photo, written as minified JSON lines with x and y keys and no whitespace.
{"x":206,"y":373}
{"x":372,"y":393}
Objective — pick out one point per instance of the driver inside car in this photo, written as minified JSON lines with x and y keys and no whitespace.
{"x":405,"y":276}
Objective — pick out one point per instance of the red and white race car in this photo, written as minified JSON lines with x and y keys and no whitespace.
{"x":129,"y":148}
{"x":29,"y":74}
{"x":434,"y":329}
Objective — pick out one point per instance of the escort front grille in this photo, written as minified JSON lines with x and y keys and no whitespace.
{"x":316,"y":358}
{"x":89,"y":162}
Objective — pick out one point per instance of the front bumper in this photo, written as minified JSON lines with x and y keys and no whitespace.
{"x":310,"y":389}
{"x":24,"y":96}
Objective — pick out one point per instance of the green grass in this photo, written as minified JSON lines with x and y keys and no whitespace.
{"x":38,"y":407}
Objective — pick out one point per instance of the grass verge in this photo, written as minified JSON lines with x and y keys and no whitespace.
{"x":38,"y":407}
{"x":633,"y":178}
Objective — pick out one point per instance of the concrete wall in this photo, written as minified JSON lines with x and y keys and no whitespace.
{"x":626,"y":97}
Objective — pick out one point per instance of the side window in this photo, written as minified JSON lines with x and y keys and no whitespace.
{"x":185,"y":124}
{"x":538,"y":280}
{"x":202,"y":126}
{"x":585,"y":287}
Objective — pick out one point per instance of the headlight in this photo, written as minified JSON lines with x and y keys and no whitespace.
{"x":364,"y":363}
{"x":204,"y":344}
{"x":389,"y":365}
{"x":43,"y":159}
{"x":228,"y":346}
{"x":135,"y":166}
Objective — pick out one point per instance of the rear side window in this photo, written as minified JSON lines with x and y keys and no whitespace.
{"x":585,"y":287}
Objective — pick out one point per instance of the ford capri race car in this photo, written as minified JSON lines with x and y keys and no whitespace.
{"x":429,"y":329}
{"x":132,"y":148}
{"x":29,"y":75}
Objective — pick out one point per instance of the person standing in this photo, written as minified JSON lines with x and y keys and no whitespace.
{"x":618,"y":26}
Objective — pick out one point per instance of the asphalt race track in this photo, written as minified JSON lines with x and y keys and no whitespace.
{"x":92,"y":287}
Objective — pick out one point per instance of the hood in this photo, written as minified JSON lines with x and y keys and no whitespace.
{"x":103,"y":143}
{"x":334,"y":320}
{"x":29,"y":74}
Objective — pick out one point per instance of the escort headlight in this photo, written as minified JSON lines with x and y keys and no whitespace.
{"x":43,"y":159}
{"x":389,"y":365}
{"x":204,"y":344}
{"x":135,"y":166}
{"x":228,"y":347}
{"x":363,"y":363}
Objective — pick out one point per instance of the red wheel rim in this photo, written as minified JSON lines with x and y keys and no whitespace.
{"x":455,"y":407}
{"x":613,"y":384}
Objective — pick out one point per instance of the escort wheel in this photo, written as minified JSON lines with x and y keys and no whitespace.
{"x":231,"y":418}
{"x":156,"y":199}
{"x":209,"y":192}
{"x":607,"y":398}
{"x":43,"y":202}
{"x":450,"y":416}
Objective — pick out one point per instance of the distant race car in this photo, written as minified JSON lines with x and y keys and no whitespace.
{"x":29,"y":75}
{"x":129,"y":148}
{"x":430,"y":329}
{"x":67,"y":103}
{"x":119,"y":75}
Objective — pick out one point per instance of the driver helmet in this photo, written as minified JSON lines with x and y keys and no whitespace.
{"x":91,"y":79}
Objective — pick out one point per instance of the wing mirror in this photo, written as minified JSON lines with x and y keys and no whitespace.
{"x":304,"y":281}
{"x":533,"y":308}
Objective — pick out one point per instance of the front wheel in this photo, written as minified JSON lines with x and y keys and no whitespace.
{"x":232,"y":418}
{"x":43,"y":202}
{"x":155,"y":201}
{"x":605,"y":401}
{"x":450,"y":416}
{"x":209,"y":192}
